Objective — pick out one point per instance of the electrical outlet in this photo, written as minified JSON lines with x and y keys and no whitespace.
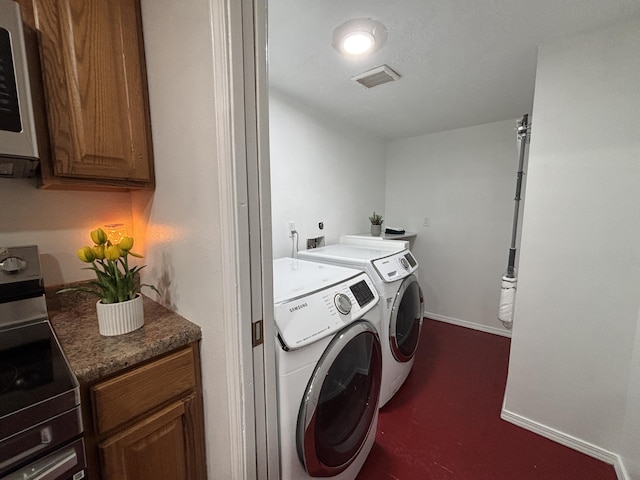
{"x":292,"y":228}
{"x":426,"y":222}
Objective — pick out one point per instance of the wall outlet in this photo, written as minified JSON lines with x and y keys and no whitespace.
{"x":292,"y":227}
{"x":426,"y":222}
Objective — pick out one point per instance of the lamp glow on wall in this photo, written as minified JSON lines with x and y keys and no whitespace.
{"x":115,"y":232}
{"x":359,"y":37}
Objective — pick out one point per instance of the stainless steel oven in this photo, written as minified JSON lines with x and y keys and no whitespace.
{"x":40,"y":418}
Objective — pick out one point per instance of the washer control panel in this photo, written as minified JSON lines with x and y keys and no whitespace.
{"x":311,"y":317}
{"x":396,"y":266}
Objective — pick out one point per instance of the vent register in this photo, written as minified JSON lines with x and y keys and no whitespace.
{"x":376,"y":76}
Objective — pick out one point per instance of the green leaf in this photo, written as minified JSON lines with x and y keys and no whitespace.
{"x":79,"y":289}
{"x":152,"y":287}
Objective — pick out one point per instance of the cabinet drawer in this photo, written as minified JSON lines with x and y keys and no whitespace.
{"x":127,"y":396}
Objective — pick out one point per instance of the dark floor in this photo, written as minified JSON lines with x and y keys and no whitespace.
{"x":444,"y":423}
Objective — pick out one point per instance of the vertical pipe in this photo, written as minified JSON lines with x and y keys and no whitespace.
{"x":523,"y":133}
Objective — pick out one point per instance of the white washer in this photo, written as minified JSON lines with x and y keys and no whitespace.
{"x":391,"y":266}
{"x":329,"y":362}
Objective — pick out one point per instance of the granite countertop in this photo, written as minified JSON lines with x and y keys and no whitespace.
{"x":93,"y":356}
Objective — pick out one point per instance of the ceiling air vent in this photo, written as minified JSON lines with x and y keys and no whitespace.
{"x":376,"y":76}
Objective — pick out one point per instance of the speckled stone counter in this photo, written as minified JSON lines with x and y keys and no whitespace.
{"x":93,"y":356}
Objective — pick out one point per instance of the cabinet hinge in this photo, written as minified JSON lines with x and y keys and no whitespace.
{"x":257,"y":333}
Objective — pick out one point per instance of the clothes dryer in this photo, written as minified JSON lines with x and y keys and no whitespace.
{"x":393,"y":271}
{"x":329,"y":364}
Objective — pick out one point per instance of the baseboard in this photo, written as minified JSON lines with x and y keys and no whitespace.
{"x":467,"y":324}
{"x":568,"y":441}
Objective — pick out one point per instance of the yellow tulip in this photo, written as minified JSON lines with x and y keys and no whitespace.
{"x":98,"y":236}
{"x":98,"y":251}
{"x":112,"y":252}
{"x":86,"y":254}
{"x":126,"y":244}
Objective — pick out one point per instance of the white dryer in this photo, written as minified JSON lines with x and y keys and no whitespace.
{"x":329,"y":363}
{"x":392,"y":270}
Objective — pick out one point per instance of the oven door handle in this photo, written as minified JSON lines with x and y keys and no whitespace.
{"x":49,"y":468}
{"x":45,"y":441}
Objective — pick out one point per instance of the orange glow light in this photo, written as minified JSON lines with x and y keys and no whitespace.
{"x":115,"y":232}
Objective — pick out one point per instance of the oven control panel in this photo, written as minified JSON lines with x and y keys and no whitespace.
{"x":19,"y":264}
{"x":20,"y":273}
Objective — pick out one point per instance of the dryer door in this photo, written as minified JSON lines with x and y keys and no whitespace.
{"x":406,"y":320}
{"x":340,"y":403}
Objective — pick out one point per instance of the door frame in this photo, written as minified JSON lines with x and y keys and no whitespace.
{"x":239,"y":37}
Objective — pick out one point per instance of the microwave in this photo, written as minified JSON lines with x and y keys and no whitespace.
{"x":23,"y":133}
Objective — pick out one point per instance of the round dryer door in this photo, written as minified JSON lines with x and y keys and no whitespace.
{"x":341,"y":401}
{"x":406,"y":320}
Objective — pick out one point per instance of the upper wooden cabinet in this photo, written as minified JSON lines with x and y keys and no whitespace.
{"x":92,"y":59}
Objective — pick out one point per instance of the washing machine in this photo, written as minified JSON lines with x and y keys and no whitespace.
{"x":393,"y":269}
{"x":329,"y":365}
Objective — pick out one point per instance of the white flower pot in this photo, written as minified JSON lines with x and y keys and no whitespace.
{"x":120,"y":318}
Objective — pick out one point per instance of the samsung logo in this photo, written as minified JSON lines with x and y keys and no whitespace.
{"x":298,"y":307}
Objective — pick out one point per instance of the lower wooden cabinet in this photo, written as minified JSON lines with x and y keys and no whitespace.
{"x":152,"y":448}
{"x":147,"y":423}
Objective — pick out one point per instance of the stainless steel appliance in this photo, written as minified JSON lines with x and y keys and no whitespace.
{"x":23,"y":134}
{"x":40,"y":418}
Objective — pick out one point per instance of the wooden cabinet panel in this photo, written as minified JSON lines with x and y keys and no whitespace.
{"x":153,"y":448}
{"x":148,"y":423}
{"x":123,"y":398}
{"x":96,"y":91}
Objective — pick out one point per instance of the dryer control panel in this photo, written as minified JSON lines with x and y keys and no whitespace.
{"x":396,"y":266}
{"x":309,"y":318}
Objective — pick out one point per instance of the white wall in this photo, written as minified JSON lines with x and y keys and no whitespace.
{"x":464,"y":181}
{"x":58,"y":222}
{"x":321,"y":171}
{"x":576,"y":314}
{"x":183,"y":251}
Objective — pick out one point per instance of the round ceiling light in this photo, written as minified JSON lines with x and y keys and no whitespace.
{"x":360,"y":36}
{"x":358,"y":43}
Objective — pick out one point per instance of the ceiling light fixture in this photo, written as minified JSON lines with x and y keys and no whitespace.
{"x":360,"y":36}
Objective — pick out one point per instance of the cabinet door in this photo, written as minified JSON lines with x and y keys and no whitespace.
{"x":155,"y":448}
{"x":95,"y":86}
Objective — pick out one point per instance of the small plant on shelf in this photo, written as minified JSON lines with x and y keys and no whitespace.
{"x":376,"y":219}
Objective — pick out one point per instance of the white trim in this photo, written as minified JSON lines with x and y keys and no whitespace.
{"x":621,"y":471}
{"x":268,"y":462}
{"x":568,"y":441}
{"x":468,"y":324}
{"x":258,"y":200}
{"x":227,"y":65}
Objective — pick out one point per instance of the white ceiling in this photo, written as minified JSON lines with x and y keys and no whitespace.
{"x":462,"y":62}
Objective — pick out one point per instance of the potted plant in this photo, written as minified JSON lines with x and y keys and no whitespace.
{"x":376,"y":224}
{"x":120,"y":306}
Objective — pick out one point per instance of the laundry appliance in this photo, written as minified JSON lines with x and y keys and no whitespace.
{"x":392,"y":267}
{"x":329,"y":368}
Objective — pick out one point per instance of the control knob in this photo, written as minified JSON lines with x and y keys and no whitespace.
{"x":12,"y":265}
{"x":404,"y":263}
{"x":343,"y":303}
